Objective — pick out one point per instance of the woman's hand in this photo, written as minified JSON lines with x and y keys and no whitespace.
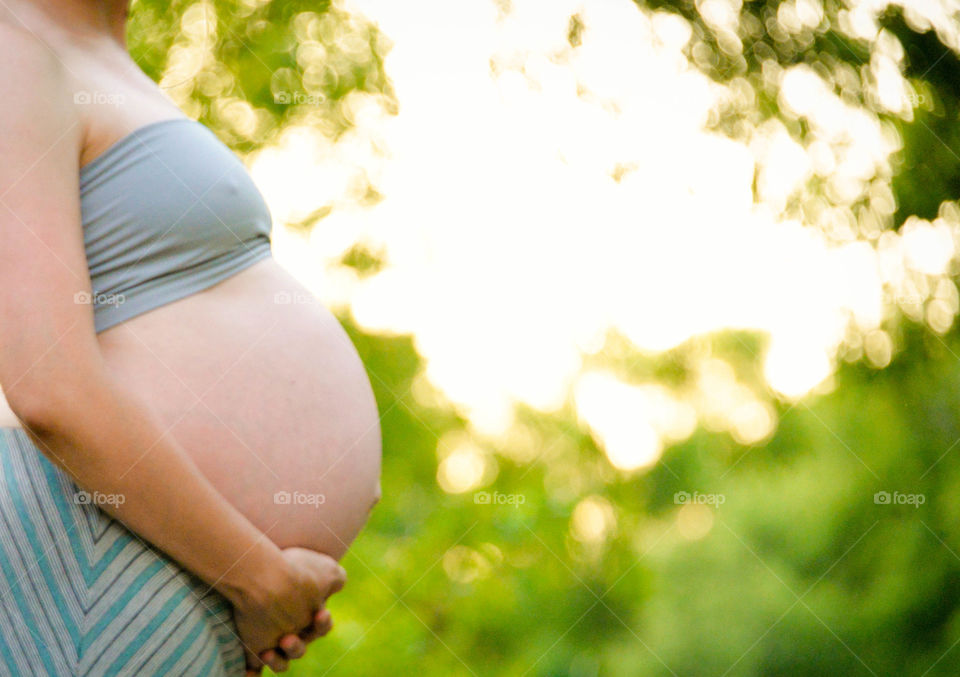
{"x":294,"y":646}
{"x":278,"y":620}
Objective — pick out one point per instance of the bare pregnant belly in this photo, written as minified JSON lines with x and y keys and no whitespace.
{"x":261,"y":385}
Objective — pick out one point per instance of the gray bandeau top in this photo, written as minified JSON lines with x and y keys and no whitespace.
{"x":167,"y":211}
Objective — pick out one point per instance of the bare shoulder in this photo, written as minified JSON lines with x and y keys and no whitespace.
{"x":35,"y":87}
{"x":22,"y":50}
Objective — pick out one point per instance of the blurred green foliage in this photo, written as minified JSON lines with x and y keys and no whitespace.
{"x":800,"y":571}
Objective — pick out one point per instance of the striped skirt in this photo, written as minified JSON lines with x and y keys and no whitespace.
{"x":80,"y":594}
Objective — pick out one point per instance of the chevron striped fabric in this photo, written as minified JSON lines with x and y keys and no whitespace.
{"x":82,"y":595}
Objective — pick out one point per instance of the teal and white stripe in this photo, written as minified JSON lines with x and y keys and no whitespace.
{"x":81,"y":595}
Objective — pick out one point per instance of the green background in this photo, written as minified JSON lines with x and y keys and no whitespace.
{"x":802,"y":573}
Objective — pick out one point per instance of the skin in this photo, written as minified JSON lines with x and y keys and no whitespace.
{"x":227,"y":394}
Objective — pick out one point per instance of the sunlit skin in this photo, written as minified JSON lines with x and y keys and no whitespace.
{"x":282,"y":404}
{"x":266,"y":396}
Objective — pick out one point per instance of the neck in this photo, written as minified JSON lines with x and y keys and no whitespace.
{"x":83,"y":19}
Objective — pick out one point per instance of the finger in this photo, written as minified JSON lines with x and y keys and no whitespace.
{"x":274,"y":660}
{"x":293,"y":646}
{"x":338,"y":579}
{"x":322,"y":624}
{"x":254,"y":664}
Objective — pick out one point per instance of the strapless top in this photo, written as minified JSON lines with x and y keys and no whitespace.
{"x":167,"y":211}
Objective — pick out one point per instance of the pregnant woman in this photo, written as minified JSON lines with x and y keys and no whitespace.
{"x":183,"y":456}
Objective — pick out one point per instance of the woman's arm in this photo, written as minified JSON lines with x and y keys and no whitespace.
{"x":56,"y":382}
